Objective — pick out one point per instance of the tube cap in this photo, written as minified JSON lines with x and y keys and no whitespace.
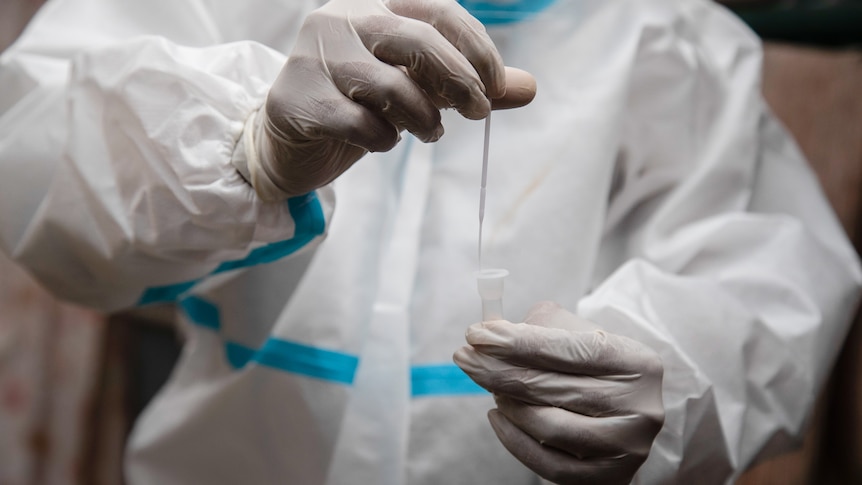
{"x":490,"y":284}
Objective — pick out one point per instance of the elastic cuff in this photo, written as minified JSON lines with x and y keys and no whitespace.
{"x":239,"y":158}
{"x":249,"y":156}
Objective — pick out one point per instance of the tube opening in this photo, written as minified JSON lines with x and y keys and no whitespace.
{"x":492,"y":274}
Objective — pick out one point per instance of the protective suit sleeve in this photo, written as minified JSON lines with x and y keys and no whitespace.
{"x":116,"y":165}
{"x":720,"y":252}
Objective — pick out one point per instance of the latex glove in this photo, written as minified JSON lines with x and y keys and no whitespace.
{"x":574,"y":403}
{"x":362,"y":71}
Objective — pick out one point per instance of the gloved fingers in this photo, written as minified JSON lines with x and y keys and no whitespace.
{"x":585,"y":395}
{"x":390,"y":93}
{"x":551,"y":314}
{"x":439,"y":101}
{"x":592,"y":353}
{"x":520,"y":90}
{"x":579,"y":435}
{"x":324,"y":113}
{"x":298,"y":168}
{"x":438,"y":66}
{"x":558,"y":466}
{"x":463,"y":31}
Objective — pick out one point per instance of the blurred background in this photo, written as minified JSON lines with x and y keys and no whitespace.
{"x":72,"y":381}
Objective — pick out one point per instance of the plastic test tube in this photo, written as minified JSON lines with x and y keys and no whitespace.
{"x":490,"y":283}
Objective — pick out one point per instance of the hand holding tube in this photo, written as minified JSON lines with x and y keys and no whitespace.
{"x":362,"y":71}
{"x":574,"y":404}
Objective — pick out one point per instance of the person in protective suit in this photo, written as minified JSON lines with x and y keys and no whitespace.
{"x":678,"y":283}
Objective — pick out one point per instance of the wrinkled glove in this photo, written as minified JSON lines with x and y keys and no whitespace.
{"x":574,"y":404}
{"x":362,"y":71}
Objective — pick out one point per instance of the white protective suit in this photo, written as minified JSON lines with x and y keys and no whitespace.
{"x":647,"y":188}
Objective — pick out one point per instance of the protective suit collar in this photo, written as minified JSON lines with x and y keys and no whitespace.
{"x":501,"y":12}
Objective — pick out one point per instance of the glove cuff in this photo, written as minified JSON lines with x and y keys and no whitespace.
{"x":249,"y":157}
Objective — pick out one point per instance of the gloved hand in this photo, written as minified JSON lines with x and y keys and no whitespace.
{"x":362,"y":71}
{"x":574,"y":404}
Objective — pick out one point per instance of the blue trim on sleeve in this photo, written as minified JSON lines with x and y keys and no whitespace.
{"x":497,"y":12}
{"x":164,"y":294}
{"x":442,"y":380}
{"x":201,"y":312}
{"x":309,"y":222}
